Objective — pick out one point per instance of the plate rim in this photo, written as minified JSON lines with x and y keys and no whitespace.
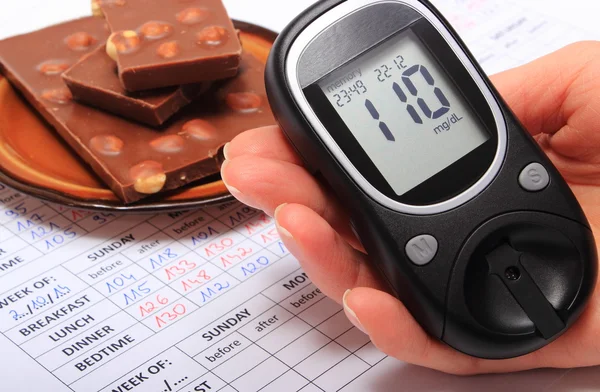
{"x":54,"y":196}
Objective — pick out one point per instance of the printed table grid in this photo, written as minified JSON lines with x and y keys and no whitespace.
{"x":126,"y":289}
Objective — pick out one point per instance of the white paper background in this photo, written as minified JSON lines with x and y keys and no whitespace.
{"x":20,"y":16}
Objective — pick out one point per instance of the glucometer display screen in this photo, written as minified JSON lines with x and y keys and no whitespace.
{"x":405,"y":111}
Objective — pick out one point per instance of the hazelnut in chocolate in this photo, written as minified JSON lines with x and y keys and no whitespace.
{"x":170,"y":43}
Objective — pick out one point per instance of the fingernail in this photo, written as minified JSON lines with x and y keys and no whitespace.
{"x":282,"y":230}
{"x":351,"y":314}
{"x":225,"y":150}
{"x":233,"y":190}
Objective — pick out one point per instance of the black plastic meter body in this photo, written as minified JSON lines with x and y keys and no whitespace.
{"x":466,"y":218}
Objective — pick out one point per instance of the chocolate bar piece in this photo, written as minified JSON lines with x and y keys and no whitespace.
{"x":93,"y":80}
{"x":134,"y":160}
{"x":170,"y":43}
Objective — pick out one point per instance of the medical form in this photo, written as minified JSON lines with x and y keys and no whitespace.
{"x":210,"y":299}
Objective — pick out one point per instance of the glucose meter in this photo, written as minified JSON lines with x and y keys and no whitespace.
{"x":466,"y":219}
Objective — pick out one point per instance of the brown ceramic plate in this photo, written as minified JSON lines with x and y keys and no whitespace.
{"x":35,"y":161}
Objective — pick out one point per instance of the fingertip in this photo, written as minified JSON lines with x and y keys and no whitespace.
{"x":382,"y":312}
{"x":224,"y":170}
{"x":362,"y":299}
{"x":240,"y":144}
{"x":332,"y":264}
{"x":283,"y":232}
{"x":292,"y":221}
{"x":305,"y":225}
{"x":228,"y":174}
{"x":226,"y":154}
{"x":246,"y":173}
{"x":386,"y":320}
{"x":350,"y":313}
{"x":225,"y":175}
{"x":266,"y":142}
{"x":267,"y":183}
{"x":279,"y":209}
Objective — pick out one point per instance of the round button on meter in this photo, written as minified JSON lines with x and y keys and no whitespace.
{"x":534,"y":178}
{"x":422,"y":249}
{"x":384,"y":100}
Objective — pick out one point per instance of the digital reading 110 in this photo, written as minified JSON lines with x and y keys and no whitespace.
{"x":384,"y":73}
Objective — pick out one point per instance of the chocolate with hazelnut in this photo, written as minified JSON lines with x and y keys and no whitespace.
{"x":170,"y":43}
{"x":134,"y":160}
{"x":93,"y":80}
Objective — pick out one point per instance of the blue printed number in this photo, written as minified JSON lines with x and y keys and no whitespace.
{"x":251,"y":267}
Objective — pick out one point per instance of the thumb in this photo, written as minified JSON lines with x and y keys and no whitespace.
{"x":545,"y":93}
{"x":557,"y":98}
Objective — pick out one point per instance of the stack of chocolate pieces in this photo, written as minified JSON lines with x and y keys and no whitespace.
{"x":146,"y":91}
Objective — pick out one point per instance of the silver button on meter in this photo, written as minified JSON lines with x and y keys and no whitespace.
{"x":534,"y":178}
{"x":422,"y":249}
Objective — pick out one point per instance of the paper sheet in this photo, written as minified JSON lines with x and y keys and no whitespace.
{"x":210,"y":300}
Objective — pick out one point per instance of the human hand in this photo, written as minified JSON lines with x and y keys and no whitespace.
{"x":558,"y":100}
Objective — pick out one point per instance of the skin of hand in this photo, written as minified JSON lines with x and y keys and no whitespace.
{"x":557,"y":98}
